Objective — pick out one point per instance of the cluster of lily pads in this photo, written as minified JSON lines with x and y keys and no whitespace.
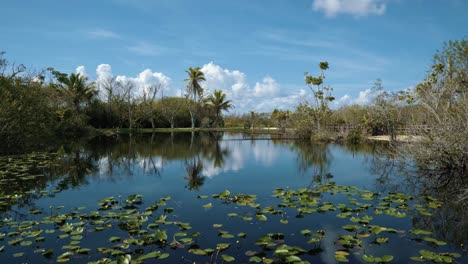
{"x":20,"y":176}
{"x":134,"y":234}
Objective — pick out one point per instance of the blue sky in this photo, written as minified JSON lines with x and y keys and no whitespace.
{"x":257,"y":51}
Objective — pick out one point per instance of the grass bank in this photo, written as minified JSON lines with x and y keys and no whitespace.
{"x":261,"y":130}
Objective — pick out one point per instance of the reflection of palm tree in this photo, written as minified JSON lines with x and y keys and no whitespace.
{"x":219,"y":154}
{"x":194,"y":169}
{"x":76,"y":167}
{"x":211,"y":149}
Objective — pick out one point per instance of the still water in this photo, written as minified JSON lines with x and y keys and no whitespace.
{"x":193,"y":227}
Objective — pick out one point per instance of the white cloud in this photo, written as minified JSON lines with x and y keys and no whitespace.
{"x":332,"y":8}
{"x":263,"y":97}
{"x":364,"y":98}
{"x":81,"y":70}
{"x":103,"y":72}
{"x":268,"y":87}
{"x":289,"y":101}
{"x":143,"y":81}
{"x":148,"y":78}
{"x":232,"y":82}
{"x":102,"y":33}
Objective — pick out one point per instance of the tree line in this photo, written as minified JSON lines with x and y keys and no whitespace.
{"x":37,"y":108}
{"x":41,"y":106}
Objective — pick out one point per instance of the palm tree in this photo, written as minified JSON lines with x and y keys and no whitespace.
{"x":219,"y":103}
{"x":77,"y":89}
{"x":195,"y":78}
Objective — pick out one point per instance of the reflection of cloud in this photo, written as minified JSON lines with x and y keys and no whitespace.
{"x":238,"y":154}
{"x":150,"y":164}
{"x":264,"y":153}
{"x":103,"y":165}
{"x":209,"y":170}
{"x":328,"y":245}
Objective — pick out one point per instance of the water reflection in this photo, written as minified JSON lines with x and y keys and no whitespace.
{"x":194,"y":168}
{"x":315,"y":156}
{"x":449,"y":223}
{"x":254,"y":163}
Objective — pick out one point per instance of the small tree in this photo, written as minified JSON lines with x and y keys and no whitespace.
{"x":147,"y":104}
{"x":321,"y":94}
{"x":280,"y":117}
{"x":253,"y":119}
{"x":170,"y":108}
{"x":128,"y":95}
{"x":109,"y":87}
{"x":383,"y":116}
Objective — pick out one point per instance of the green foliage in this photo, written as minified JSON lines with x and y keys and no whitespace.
{"x":383,"y":117}
{"x":194,"y":81}
{"x":321,"y":94}
{"x":26,"y":118}
{"x":218,"y":101}
{"x":281,"y":118}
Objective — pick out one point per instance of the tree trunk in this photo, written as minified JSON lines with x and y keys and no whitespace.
{"x":152,"y":123}
{"x":129,"y":117}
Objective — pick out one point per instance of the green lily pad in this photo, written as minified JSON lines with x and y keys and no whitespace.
{"x":227,"y":258}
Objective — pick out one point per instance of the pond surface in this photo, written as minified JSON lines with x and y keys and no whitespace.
{"x":276,"y":201}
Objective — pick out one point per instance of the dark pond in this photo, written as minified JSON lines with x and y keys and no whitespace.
{"x":150,"y":199}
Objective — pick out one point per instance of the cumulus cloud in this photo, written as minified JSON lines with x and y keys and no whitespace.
{"x":332,"y":8}
{"x":289,"y":101}
{"x":268,"y":87}
{"x":142,"y":82}
{"x":264,"y":96}
{"x":233,"y":82}
{"x":81,"y":70}
{"x":364,"y":97}
{"x":103,"y":72}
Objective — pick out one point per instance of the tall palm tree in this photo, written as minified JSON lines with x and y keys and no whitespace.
{"x":77,"y":89}
{"x":194,"y":80}
{"x":219,"y":103}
